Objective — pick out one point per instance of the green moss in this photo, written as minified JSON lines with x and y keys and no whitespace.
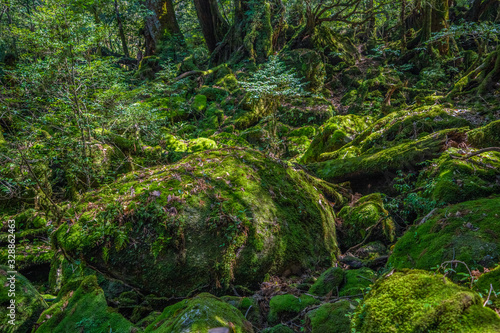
{"x":230,"y":139}
{"x":366,"y":218}
{"x":28,"y":303}
{"x":356,"y":281}
{"x":199,"y":103}
{"x":308,"y":64}
{"x":452,"y":179}
{"x":328,"y":283}
{"x":201,"y":144}
{"x":200,"y":314}
{"x":85,"y":309}
{"x":307,"y":131}
{"x":466,"y":232}
{"x":288,"y":305}
{"x":229,"y":82}
{"x":417,"y":301}
{"x":331,"y":318}
{"x":248,"y":306}
{"x":489,"y":280}
{"x":280,"y":328}
{"x":486,"y":136}
{"x":335,"y":133}
{"x":402,"y":156}
{"x":221,"y":216}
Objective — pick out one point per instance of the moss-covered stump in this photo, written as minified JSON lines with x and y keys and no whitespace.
{"x":365,"y":221}
{"x":287,"y":306}
{"x":328,"y":283}
{"x":334,"y":134}
{"x":486,"y":136}
{"x":372,"y":164}
{"x":223,"y":216}
{"x":200,"y":314}
{"x":467,"y":232}
{"x":28,"y":305}
{"x":330,"y":317}
{"x":418,"y":301}
{"x":82,"y":310}
{"x":452,"y":178}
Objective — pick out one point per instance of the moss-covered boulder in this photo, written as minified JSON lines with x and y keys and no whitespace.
{"x":486,"y":136}
{"x":288,"y":305}
{"x":200,"y":314}
{"x":365,"y":220}
{"x":467,"y":232}
{"x":451,"y":178}
{"x":328,"y":283}
{"x":334,"y":134}
{"x":83,"y":309}
{"x":248,"y":306}
{"x":489,"y":284}
{"x":23,"y":314}
{"x":229,"y":215}
{"x":331,"y":318}
{"x":418,"y":301}
{"x":356,"y":281}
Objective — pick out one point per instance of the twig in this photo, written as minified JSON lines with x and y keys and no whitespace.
{"x":489,"y":294}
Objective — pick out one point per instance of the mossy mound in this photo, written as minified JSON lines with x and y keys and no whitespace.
{"x":288,"y":305}
{"x":356,"y":281}
{"x":248,"y":306}
{"x":372,"y":164}
{"x":486,"y":136}
{"x":330,"y":317}
{"x":223,"y":216}
{"x":328,"y":282}
{"x":84,"y":309}
{"x":28,"y":303}
{"x":200,"y":314}
{"x":467,"y":232}
{"x":334,"y":134}
{"x":365,"y":220}
{"x":451,"y":178}
{"x":418,"y":301}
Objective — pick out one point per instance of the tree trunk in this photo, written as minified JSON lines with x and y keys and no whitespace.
{"x":477,"y":9}
{"x":213,"y":26}
{"x":121,"y":31}
{"x":435,"y":19}
{"x":160,"y":26}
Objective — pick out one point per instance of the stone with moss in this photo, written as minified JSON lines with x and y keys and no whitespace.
{"x":83,"y":309}
{"x":200,"y":314}
{"x":215,"y":218}
{"x":28,"y":303}
{"x":486,"y":136}
{"x":199,"y":103}
{"x":365,"y":221}
{"x":248,"y":306}
{"x":331,"y":318}
{"x":357,"y":281}
{"x":328,"y":283}
{"x":451,"y":178}
{"x":288,"y":305}
{"x":488,"y":286}
{"x":418,"y":301}
{"x":466,"y":232}
{"x":201,"y":144}
{"x":335,"y":133}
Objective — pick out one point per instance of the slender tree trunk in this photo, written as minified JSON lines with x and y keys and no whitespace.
{"x":161,"y":25}
{"x":121,"y":31}
{"x":402,"y":18}
{"x":213,"y":26}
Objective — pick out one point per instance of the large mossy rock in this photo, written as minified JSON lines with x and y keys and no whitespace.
{"x":452,"y":178}
{"x":467,"y":232}
{"x":334,"y":134}
{"x":490,"y":280}
{"x":82,"y":310}
{"x":328,"y":282}
{"x":486,"y":136}
{"x":365,"y":220}
{"x":418,"y":301}
{"x":28,"y":303}
{"x":224,"y":216}
{"x":200,"y":314}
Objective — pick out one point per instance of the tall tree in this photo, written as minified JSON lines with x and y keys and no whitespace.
{"x":212,"y":23}
{"x":161,"y":25}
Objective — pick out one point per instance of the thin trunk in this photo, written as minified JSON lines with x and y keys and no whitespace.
{"x":121,"y":31}
{"x":403,"y":24}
